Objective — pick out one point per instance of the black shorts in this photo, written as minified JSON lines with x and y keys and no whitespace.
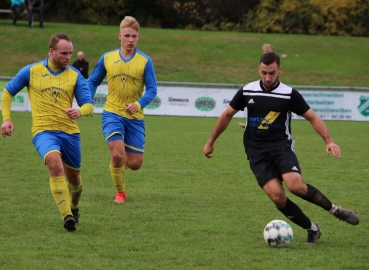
{"x":273,"y":164}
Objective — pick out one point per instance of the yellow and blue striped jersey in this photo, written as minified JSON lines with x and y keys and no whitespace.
{"x":50,"y":93}
{"x":129,"y":81}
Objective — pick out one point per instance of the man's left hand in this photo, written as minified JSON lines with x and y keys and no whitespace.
{"x":131,"y":108}
{"x":72,"y":113}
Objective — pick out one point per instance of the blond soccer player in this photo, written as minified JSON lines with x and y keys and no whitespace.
{"x":131,"y":87}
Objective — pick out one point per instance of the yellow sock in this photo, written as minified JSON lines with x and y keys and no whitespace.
{"x":60,"y":192}
{"x":118,"y":175}
{"x":75,"y":193}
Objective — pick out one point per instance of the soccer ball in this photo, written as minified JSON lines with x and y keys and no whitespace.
{"x":278,"y":233}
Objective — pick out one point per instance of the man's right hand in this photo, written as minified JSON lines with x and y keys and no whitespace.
{"x":208,"y":150}
{"x":7,"y":128}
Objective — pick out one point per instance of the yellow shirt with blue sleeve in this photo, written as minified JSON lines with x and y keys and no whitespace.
{"x":50,"y":92}
{"x":130,"y":80}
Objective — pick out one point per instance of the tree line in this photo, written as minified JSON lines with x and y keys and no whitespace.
{"x":318,"y":17}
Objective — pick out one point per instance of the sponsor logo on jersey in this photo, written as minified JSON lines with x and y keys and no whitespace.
{"x":55,"y":95}
{"x":268,"y":120}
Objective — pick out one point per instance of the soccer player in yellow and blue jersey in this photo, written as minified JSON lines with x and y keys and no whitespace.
{"x":52,"y":84}
{"x":131,"y":87}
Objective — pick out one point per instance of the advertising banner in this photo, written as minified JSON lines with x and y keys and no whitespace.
{"x":205,"y":102}
{"x":211,"y":102}
{"x":338,"y":105}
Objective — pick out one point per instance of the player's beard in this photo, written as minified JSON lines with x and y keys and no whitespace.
{"x":270,"y":84}
{"x":62,"y":64}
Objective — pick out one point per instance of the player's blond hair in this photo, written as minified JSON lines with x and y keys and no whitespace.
{"x":267,"y":48}
{"x":130,"y":22}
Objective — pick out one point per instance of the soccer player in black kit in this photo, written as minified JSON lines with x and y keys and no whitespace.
{"x":269,"y":146}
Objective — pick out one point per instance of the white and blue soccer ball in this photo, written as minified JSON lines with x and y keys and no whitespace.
{"x":278,"y":233}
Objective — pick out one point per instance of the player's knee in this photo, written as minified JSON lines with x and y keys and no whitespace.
{"x":135,"y":165}
{"x":279,"y":199}
{"x":298,"y":190}
{"x":117,"y":159}
{"x":134,"y":162}
{"x":74,"y":179}
{"x":54,"y":165}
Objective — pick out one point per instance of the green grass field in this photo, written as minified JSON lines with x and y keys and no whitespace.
{"x":183,"y":211}
{"x":201,"y":56}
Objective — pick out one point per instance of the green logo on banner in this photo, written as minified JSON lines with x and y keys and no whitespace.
{"x":154,"y":104}
{"x":205,"y":104}
{"x":364,"y":106}
{"x":18,"y":100}
{"x":99,"y":100}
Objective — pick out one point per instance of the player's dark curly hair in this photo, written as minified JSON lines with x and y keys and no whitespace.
{"x":269,"y":58}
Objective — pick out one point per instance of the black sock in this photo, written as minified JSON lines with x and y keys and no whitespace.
{"x":316,"y":197}
{"x":294,"y":213}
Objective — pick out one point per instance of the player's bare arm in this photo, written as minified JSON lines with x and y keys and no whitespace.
{"x":220,"y":126}
{"x":323,"y":131}
{"x":7,"y":128}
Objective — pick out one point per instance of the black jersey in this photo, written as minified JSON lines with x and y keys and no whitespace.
{"x":268,"y":115}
